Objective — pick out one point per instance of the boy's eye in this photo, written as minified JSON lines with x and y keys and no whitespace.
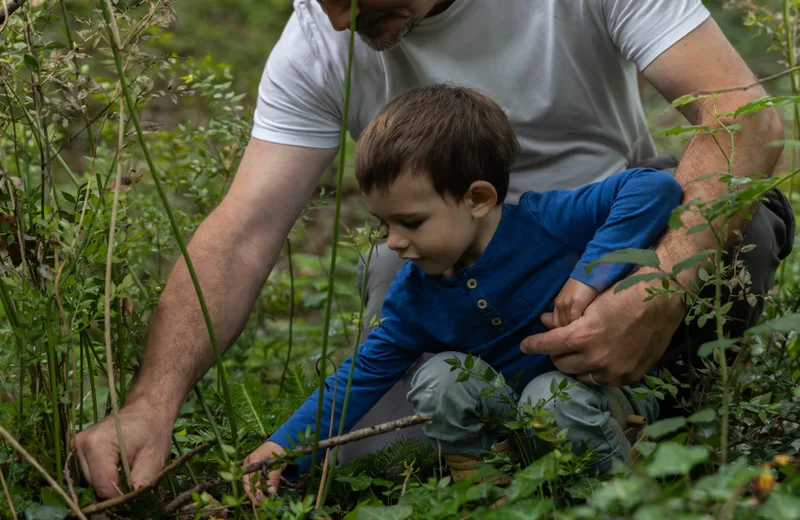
{"x":414,"y":224}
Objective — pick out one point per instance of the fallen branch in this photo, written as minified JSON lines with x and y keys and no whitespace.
{"x":353,"y":436}
{"x":9,"y":6}
{"x":28,"y":457}
{"x":102,"y":506}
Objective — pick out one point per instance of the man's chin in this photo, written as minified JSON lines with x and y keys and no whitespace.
{"x":385,"y":42}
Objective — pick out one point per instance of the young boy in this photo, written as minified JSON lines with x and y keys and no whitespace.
{"x":434,"y":168}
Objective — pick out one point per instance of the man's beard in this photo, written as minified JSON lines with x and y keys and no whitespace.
{"x":380,"y":42}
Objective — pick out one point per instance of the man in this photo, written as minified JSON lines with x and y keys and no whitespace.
{"x":565,"y":73}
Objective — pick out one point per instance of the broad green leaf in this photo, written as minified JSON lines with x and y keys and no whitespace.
{"x":703,"y":416}
{"x":684,"y":100}
{"x":625,"y":493}
{"x":781,"y":506}
{"x":40,"y":512}
{"x":693,"y":260}
{"x":644,"y":257}
{"x":530,"y":478}
{"x":664,"y":427}
{"x":698,"y":228}
{"x":709,"y":346}
{"x":398,"y":512}
{"x":784,"y":324}
{"x":672,"y":458}
{"x":646,"y":448}
{"x":677,"y":130}
{"x":584,"y":488}
{"x":358,"y":483}
{"x":718,"y":486}
{"x":31,"y":63}
{"x":638,"y":278}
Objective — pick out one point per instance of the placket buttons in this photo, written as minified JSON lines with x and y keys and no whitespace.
{"x":497,"y":321}
{"x":472,"y":283}
{"x":482,"y":304}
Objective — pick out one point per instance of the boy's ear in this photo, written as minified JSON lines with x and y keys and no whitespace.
{"x":482,"y":198}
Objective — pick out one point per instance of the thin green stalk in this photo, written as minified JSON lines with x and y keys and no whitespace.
{"x":54,"y":389}
{"x":723,"y":360}
{"x":121,"y":355}
{"x":86,"y":344}
{"x":253,"y":409}
{"x":13,"y":319}
{"x":213,"y":423}
{"x":791,"y":58}
{"x":79,"y":426}
{"x":291,"y":316}
{"x":188,"y":462}
{"x":337,"y":214}
{"x":131,"y":103}
{"x":360,"y":328}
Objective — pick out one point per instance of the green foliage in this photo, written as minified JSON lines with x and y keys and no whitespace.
{"x":733,"y":455}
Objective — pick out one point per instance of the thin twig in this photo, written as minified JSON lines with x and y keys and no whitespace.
{"x":112,"y":391}
{"x":353,"y":436}
{"x":27,"y":456}
{"x":749,"y":86}
{"x":328,"y":451}
{"x":8,"y":495}
{"x":116,"y":501}
{"x":68,"y":478}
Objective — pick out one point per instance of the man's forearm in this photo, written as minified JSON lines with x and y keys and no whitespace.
{"x":178,"y":350}
{"x":753,"y":156}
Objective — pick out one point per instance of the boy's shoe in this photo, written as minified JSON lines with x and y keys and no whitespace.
{"x":464,"y":466}
{"x":635,"y":433}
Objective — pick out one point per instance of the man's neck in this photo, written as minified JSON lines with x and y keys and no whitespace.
{"x":440,"y":7}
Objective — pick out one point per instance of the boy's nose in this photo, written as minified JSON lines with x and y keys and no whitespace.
{"x":338,"y":12}
{"x":396,"y":242}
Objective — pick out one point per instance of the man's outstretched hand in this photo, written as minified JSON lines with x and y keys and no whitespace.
{"x":617,"y":340}
{"x":148,"y":435}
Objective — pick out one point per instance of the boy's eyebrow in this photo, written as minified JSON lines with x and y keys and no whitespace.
{"x":411,"y":214}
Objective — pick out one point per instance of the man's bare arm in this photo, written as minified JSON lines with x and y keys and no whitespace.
{"x":717,"y":67}
{"x":233,"y":252}
{"x":618,"y":339}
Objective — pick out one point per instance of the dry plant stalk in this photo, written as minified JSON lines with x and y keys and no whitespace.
{"x":109,"y":357}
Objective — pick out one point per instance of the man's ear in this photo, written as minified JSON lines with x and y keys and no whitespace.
{"x":482,"y":198}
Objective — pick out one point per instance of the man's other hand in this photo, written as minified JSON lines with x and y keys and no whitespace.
{"x":616,"y":341}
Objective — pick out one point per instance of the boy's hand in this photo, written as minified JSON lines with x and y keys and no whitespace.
{"x":254,"y":491}
{"x":573,"y":299}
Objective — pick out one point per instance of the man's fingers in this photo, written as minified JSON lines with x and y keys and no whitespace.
{"x":101,"y":468}
{"x":555,"y":342}
{"x":574,"y":363}
{"x":144,"y":468}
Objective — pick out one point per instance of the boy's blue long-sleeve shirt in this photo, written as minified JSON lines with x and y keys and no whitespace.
{"x":488,"y":308}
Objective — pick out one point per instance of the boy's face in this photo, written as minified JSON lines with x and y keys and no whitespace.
{"x":436,"y":233}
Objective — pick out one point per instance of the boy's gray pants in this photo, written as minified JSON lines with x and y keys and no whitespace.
{"x":772,"y":231}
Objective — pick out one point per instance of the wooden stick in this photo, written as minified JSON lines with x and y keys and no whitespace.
{"x":305,"y":449}
{"x":102,"y":506}
{"x":8,"y":496}
{"x":27,"y":456}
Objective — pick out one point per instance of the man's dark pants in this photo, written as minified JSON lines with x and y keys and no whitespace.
{"x":771,"y":230}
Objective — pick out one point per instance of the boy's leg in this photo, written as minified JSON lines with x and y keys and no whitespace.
{"x":393,"y":405}
{"x":595,"y":416}
{"x":456,"y":407}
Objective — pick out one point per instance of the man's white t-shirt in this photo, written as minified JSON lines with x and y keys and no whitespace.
{"x":564,"y":72}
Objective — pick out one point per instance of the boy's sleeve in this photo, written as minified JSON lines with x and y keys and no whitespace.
{"x":385,"y":356}
{"x":628,"y":210}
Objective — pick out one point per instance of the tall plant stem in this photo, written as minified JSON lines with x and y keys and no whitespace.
{"x":52,"y":363}
{"x":115,"y":49}
{"x":112,"y":391}
{"x":291,"y":317}
{"x":361,"y":309}
{"x":791,"y":58}
{"x":337,"y":214}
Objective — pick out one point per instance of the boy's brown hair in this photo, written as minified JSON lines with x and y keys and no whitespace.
{"x":451,"y":134}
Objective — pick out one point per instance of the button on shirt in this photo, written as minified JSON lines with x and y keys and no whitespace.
{"x":488,"y":308}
